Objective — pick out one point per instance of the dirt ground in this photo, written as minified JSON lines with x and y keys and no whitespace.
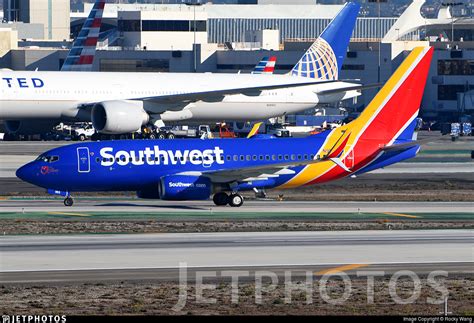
{"x":152,"y":226}
{"x":159,"y":298}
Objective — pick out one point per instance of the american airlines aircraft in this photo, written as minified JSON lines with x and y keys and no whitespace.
{"x":195,"y":169}
{"x":117,"y":103}
{"x":81,"y":56}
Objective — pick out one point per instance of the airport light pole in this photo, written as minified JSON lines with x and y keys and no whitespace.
{"x":379,"y":35}
{"x":451,"y":5}
{"x":194,"y":4}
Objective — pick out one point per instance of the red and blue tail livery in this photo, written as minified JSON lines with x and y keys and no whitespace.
{"x":198,"y":169}
{"x":265,"y":66}
{"x":81,"y":55}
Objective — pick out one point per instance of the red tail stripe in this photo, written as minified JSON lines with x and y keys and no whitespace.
{"x":85,"y":60}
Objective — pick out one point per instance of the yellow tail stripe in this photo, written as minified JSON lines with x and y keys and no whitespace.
{"x":254,"y":130}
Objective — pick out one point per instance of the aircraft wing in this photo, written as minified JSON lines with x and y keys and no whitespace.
{"x":218,"y":95}
{"x":349,"y":87}
{"x":252,"y":173}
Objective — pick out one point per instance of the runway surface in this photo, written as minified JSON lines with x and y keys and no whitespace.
{"x":147,"y":256}
{"x":254,"y":206}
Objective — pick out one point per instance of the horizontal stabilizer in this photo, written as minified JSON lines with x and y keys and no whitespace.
{"x":406,"y":145}
{"x":350,"y":88}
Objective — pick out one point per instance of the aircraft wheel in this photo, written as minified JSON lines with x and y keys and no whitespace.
{"x":171,"y":136}
{"x":68,"y":201}
{"x":221,"y":199}
{"x":236,"y":200}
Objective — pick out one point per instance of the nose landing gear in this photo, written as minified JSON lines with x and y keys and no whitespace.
{"x":68,"y":201}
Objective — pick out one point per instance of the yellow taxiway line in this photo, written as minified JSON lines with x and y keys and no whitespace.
{"x":402,"y":215}
{"x":340,"y":269}
{"x":71,"y":214}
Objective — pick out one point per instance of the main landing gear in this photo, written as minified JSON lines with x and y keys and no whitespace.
{"x":68,"y":201}
{"x":222,"y":198}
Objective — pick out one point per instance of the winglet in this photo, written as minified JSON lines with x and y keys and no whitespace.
{"x":254,"y":130}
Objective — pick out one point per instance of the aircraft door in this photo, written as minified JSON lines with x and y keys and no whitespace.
{"x":83,"y":160}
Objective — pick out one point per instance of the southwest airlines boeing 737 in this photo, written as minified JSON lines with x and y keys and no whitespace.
{"x":117,"y":103}
{"x":196,"y":169}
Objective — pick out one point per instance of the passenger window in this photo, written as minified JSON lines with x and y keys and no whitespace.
{"x":248,"y":157}
{"x":228,"y":157}
{"x":267,"y":157}
{"x":299,"y":157}
{"x":254,"y":157}
{"x":236,"y":158}
{"x":280,"y":157}
{"x":274,"y":157}
{"x":241,"y":157}
{"x":305,"y":157}
{"x":287,"y":157}
{"x":261,"y":157}
{"x":312,"y":156}
{"x":293,"y":157}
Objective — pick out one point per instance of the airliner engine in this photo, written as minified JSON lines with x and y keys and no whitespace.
{"x":179,"y":188}
{"x":29,"y":127}
{"x":117,"y":117}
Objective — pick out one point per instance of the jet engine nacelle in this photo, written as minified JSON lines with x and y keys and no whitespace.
{"x":29,"y":127}
{"x":117,"y":117}
{"x":180,"y":188}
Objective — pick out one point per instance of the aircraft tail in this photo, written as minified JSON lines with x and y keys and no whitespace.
{"x":265,"y":66}
{"x":323,"y":60}
{"x":81,"y":55}
{"x":391,"y":114}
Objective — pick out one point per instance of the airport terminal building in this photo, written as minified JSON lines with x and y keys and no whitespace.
{"x":233,"y":38}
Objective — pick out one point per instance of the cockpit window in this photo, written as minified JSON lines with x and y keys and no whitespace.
{"x":47,"y":159}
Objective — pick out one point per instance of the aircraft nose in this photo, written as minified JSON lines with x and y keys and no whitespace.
{"x":25,"y":172}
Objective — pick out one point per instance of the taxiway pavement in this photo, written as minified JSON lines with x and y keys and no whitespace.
{"x":156,"y":256}
{"x":251,"y":206}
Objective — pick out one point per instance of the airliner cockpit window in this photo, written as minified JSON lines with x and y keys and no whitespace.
{"x":47,"y":159}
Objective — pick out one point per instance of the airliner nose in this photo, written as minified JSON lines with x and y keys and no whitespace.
{"x":25,"y":172}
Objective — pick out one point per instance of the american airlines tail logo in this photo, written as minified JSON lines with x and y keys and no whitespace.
{"x":318,"y":62}
{"x":156,"y":156}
